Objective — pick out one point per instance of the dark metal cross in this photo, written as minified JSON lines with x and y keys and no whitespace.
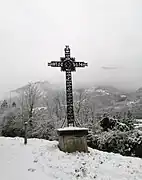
{"x":68,"y":64}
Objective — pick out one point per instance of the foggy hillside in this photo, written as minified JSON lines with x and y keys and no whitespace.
{"x":100,"y":98}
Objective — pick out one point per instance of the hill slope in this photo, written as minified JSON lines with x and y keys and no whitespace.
{"x":41,"y":159}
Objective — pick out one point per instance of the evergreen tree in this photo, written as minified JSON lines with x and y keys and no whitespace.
{"x":4,"y":105}
{"x":13,"y":104}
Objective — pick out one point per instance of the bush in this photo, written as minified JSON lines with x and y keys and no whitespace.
{"x":13,"y":125}
{"x":117,"y":136}
{"x":44,"y":130}
{"x":12,"y":129}
{"x":126,"y":143}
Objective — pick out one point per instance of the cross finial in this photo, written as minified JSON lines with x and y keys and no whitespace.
{"x":67,"y":51}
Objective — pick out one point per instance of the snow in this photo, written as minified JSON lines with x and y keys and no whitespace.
{"x":102,"y":91}
{"x":139,"y":120}
{"x":123,"y":96}
{"x":72,"y":129}
{"x":138,"y":123}
{"x":42,"y":160}
{"x":130,"y":103}
{"x":39,"y":108}
{"x":138,"y":126}
{"x":92,"y":89}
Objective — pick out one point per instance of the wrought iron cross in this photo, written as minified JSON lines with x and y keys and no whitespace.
{"x":68,"y":64}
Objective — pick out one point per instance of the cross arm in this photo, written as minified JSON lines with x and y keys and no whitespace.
{"x":80,"y":64}
{"x":55,"y":64}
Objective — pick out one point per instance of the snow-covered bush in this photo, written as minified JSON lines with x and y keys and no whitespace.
{"x":39,"y":126}
{"x":116,"y":135}
{"x":44,"y":130}
{"x":11,"y":124}
{"x":108,"y":123}
{"x":127,"y":143}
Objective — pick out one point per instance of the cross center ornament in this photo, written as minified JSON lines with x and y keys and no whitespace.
{"x":68,"y":64}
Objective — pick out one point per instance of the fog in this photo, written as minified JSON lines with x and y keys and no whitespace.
{"x":102,"y":33}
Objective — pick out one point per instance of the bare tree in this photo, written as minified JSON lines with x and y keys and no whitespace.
{"x":32,"y":95}
{"x":28,"y":99}
{"x":55,"y":103}
{"x":59,"y":105}
{"x":85,"y":107}
{"x":47,"y":102}
{"x":79,"y":104}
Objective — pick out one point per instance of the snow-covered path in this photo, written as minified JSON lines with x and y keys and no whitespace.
{"x":41,"y":160}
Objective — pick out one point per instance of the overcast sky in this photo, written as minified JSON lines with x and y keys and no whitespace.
{"x":100,"y":32}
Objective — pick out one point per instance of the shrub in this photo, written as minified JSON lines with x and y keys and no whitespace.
{"x":44,"y":130}
{"x":11,"y":126}
{"x":126,"y":143}
{"x":38,"y":127}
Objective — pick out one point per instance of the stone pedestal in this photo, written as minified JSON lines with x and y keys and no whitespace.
{"x":72,"y":139}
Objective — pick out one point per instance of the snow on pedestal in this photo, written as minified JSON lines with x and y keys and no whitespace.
{"x":72,"y":139}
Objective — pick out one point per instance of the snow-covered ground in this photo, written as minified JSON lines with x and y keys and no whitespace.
{"x":72,"y":129}
{"x":138,"y":124}
{"x":42,"y":160}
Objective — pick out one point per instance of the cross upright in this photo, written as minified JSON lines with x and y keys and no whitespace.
{"x":68,"y":64}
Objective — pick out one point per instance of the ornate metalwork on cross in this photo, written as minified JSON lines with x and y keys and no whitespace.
{"x":68,"y":64}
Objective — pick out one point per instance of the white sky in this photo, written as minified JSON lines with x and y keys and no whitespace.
{"x":100,"y":32}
